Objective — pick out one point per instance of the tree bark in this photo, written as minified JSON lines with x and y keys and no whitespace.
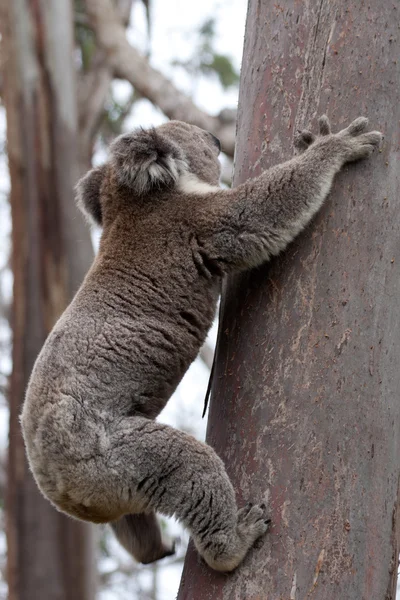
{"x":305,"y":407}
{"x":49,"y":556}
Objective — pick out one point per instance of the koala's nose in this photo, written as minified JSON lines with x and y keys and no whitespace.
{"x":216,"y":142}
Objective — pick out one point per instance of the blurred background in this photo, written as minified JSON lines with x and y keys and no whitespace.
{"x":74,"y":74}
{"x":114,"y":65}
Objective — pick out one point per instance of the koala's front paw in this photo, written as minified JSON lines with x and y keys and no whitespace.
{"x":356,"y":143}
{"x":349,"y":144}
{"x":304,"y":138}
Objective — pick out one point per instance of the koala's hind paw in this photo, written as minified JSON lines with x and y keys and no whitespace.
{"x":252,"y":522}
{"x":225,"y":553}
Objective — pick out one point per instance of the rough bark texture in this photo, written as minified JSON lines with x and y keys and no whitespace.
{"x":49,"y":556}
{"x":305,"y":407}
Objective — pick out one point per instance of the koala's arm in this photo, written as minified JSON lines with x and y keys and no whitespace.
{"x":247,"y":225}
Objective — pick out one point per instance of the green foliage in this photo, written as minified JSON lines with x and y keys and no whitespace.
{"x":207,"y":61}
{"x":87,"y":45}
{"x":84,"y":37}
{"x":85,"y":41}
{"x":222,"y":66}
{"x":207,"y":30}
{"x":103,"y":542}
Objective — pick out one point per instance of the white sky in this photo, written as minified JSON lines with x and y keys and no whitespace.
{"x":174,"y":29}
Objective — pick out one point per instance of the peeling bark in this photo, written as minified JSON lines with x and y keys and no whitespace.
{"x":127,"y":63}
{"x":49,"y":555}
{"x":305,"y":405}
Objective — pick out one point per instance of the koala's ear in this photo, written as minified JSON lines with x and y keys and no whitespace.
{"x":147,"y":159}
{"x":88,"y":194}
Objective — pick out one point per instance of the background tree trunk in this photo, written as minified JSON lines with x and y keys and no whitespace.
{"x":49,"y":556}
{"x":305,"y":409}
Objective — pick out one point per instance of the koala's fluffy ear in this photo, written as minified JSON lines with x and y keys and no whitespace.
{"x":88,"y":194}
{"x":147,"y":159}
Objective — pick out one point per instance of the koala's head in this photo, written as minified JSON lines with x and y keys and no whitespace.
{"x":150,"y":160}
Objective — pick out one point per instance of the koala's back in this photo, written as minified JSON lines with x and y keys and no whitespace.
{"x":119,"y":350}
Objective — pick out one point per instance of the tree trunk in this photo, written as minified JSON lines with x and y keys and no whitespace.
{"x":49,"y":556}
{"x":305,"y":409}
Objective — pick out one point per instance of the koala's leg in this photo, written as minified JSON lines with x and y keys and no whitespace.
{"x":245,"y":226}
{"x":141,"y":536}
{"x":168,"y":471}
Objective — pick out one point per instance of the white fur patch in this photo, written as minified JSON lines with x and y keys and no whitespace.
{"x":190,"y":184}
{"x":314,"y":207}
{"x":277,"y":240}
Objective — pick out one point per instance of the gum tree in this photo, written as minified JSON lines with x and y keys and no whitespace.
{"x":305,"y":409}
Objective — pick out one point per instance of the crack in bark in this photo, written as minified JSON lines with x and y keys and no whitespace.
{"x":314,"y":69}
{"x":318,"y":20}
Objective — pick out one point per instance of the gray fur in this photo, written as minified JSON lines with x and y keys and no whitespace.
{"x":147,"y":159}
{"x":88,"y":194}
{"x":120,"y":349}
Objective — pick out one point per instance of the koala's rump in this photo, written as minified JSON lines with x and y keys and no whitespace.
{"x":68,"y":456}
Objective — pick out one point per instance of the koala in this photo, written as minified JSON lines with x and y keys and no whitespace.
{"x":170,"y":234}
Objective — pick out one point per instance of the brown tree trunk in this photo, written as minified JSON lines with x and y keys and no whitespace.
{"x":49,"y":556}
{"x":305,"y":408}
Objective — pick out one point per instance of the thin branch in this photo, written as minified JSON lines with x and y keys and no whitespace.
{"x":124,"y":8}
{"x":94,"y":86}
{"x":127,"y":63}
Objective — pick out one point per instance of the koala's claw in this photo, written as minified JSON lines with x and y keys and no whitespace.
{"x":252,"y":521}
{"x":356,"y":127}
{"x":357,"y":144}
{"x":243,"y":511}
{"x":253,"y":525}
{"x":303,"y":139}
{"x":250,"y":512}
{"x":324,"y":125}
